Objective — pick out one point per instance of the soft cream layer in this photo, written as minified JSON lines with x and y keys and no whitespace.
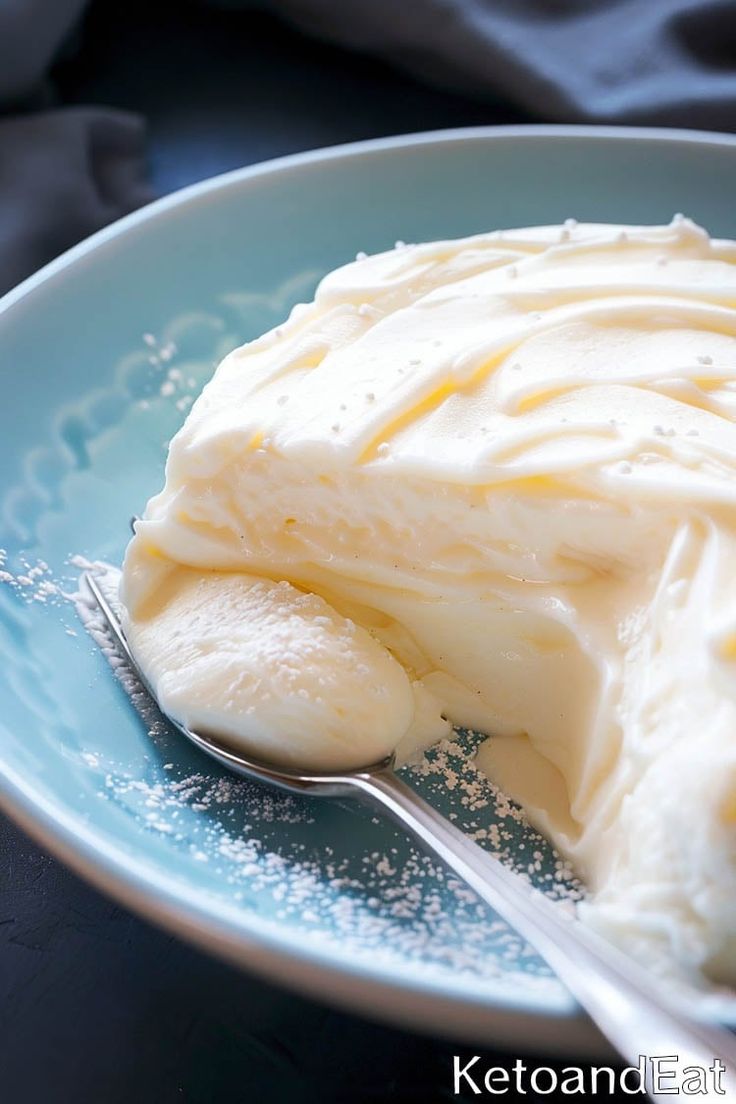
{"x":263,"y":664}
{"x":505,"y":465}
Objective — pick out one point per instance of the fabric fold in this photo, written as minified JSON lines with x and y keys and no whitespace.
{"x":66,"y":172}
{"x":63,"y":175}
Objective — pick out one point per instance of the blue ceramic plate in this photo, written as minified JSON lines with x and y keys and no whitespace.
{"x":102,"y":352}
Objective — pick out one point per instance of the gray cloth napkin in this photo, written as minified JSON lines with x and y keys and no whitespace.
{"x":64,"y":173}
{"x":614,"y":61}
{"x":30,"y":34}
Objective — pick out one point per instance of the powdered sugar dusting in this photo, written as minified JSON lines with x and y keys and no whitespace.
{"x":30,"y":580}
{"x":394,"y":903}
{"x":449,"y":766}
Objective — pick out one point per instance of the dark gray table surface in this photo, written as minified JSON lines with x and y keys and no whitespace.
{"x":96,"y":1006}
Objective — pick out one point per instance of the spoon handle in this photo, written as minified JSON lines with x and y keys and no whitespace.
{"x":608,"y":985}
{"x":612,"y":989}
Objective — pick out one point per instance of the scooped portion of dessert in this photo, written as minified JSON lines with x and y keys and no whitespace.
{"x":273,"y":670}
{"x":489,"y":482}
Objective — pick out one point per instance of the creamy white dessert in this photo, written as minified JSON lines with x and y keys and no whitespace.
{"x":490,"y":482}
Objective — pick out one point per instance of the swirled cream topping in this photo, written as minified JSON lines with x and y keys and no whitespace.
{"x":490,"y":481}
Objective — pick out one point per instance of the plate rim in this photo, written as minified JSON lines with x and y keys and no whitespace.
{"x":199,"y":189}
{"x":411,"y":1002}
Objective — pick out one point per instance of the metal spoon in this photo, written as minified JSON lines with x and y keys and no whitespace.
{"x":612,"y":989}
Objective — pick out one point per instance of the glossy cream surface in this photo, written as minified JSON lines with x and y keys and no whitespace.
{"x":498,"y":477}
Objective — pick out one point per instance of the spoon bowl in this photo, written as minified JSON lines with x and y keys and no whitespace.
{"x":624,"y":1004}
